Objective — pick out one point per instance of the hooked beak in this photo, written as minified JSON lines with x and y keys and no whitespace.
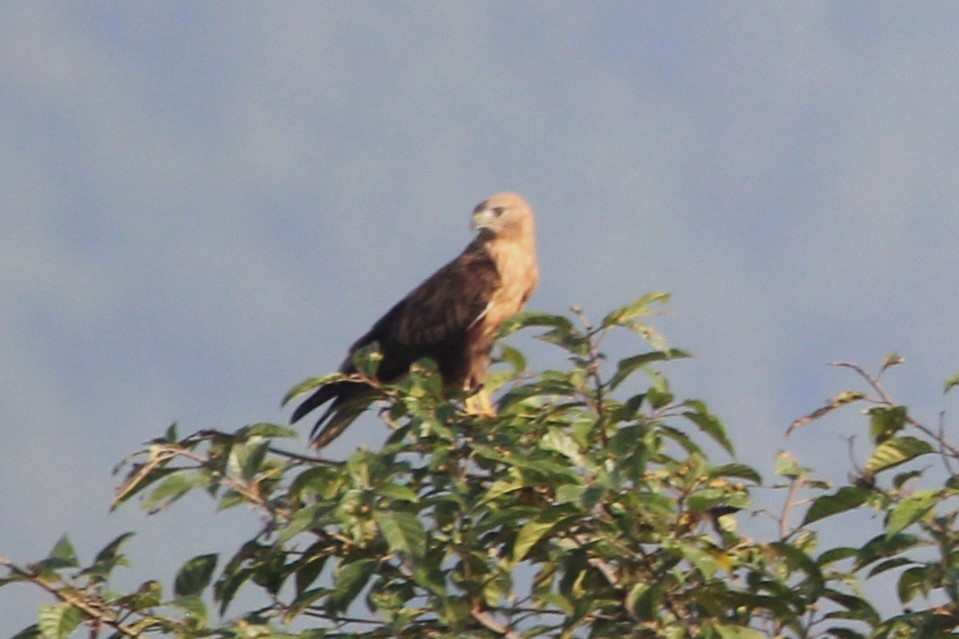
{"x":483,"y":218}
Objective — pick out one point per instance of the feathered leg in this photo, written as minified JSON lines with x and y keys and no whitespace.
{"x":479,"y":403}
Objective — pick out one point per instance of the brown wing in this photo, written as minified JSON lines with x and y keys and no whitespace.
{"x":432,"y":321}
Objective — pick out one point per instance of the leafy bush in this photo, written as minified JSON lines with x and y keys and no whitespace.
{"x":589,"y":506}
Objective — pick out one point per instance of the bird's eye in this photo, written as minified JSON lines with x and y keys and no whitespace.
{"x":498,"y":210}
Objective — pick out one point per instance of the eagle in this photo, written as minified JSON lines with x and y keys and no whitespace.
{"x":452,"y":317}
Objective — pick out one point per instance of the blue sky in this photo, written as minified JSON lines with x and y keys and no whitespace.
{"x":204,"y":203}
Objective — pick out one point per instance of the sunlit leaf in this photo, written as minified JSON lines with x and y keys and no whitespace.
{"x":246,"y":459}
{"x":559,"y":441}
{"x":172,"y":488}
{"x":58,"y":620}
{"x":366,"y":360}
{"x":910,"y":510}
{"x":534,"y":318}
{"x":892,"y":359}
{"x":403,"y":532}
{"x":788,"y":466}
{"x":896,"y":451}
{"x":533,"y":531}
{"x":194,"y":610}
{"x":625,"y":315}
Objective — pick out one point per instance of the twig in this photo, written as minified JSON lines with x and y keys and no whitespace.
{"x":794,"y":486}
{"x":95,"y":614}
{"x":491,"y":624}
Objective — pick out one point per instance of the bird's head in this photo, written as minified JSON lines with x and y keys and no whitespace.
{"x":503,"y":215}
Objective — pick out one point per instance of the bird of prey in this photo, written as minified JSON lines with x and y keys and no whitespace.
{"x":453,"y":317}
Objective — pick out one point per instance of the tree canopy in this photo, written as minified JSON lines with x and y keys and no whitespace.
{"x":595,"y":503}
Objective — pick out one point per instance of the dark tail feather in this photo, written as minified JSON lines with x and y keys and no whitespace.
{"x":338,"y":416}
{"x":317,"y":399}
{"x":350,"y":399}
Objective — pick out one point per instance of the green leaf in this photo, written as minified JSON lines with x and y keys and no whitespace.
{"x":148,"y":595}
{"x":399,"y":492}
{"x":952,"y":381}
{"x":302,"y":601}
{"x":626,"y":315}
{"x":892,"y":359}
{"x":889,"y":564}
{"x":309,"y":568}
{"x":172,"y":488}
{"x":246,"y":459}
{"x":108,"y":558}
{"x":366,"y":360}
{"x":737,"y":632}
{"x":350,"y":578}
{"x":708,"y":423}
{"x":742,"y":471}
{"x":195,"y":575}
{"x":111,"y":551}
{"x":569,"y":340}
{"x":796,"y":559}
{"x":896,"y":451}
{"x":914,"y":581}
{"x":884,"y":422}
{"x":856,"y":607}
{"x":704,"y":562}
{"x":193,"y":609}
{"x":902,"y":478}
{"x":62,"y":556}
{"x":644,"y":600}
{"x":846,"y":498}
{"x":512,"y":357}
{"x":628,"y":366}
{"x":534,"y":318}
{"x":882,"y":547}
{"x":403,"y":532}
{"x":30,"y":632}
{"x":534,"y":530}
{"x":910,"y":510}
{"x":836,"y":554}
{"x":171,"y":435}
{"x":58,"y":620}
{"x":706,"y":498}
{"x":558,"y":441}
{"x":264,"y":429}
{"x":788,"y":466}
